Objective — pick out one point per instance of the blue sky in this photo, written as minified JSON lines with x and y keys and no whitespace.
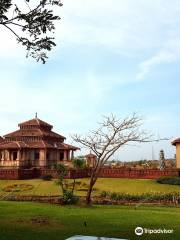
{"x":111,"y":57}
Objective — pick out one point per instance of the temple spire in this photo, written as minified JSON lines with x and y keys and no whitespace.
{"x":36,"y":115}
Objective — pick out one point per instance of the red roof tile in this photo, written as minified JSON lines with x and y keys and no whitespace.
{"x":175,"y":141}
{"x":12,"y":145}
{"x":39,"y":144}
{"x":33,"y":133}
{"x":35,"y":122}
{"x":67,"y":146}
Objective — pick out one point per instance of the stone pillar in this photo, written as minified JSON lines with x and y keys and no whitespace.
{"x":65,"y":155}
{"x":178,"y":155}
{"x":8,"y":155}
{"x":72,"y":155}
{"x":19,"y":155}
{"x":25,"y":157}
{"x":57,"y":157}
{"x":18,"y":160}
{"x":42,"y":157}
{"x":3,"y":158}
{"x":68,"y":155}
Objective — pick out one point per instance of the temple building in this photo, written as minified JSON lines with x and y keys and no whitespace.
{"x":90,"y":160}
{"x":176,"y":143}
{"x":34,"y":145}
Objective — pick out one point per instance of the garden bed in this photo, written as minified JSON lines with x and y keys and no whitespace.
{"x":95,"y":200}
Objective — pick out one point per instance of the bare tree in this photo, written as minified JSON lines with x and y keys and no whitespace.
{"x":31,"y":26}
{"x":112,"y":134}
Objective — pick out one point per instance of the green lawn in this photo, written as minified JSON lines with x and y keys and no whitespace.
{"x":133,"y":186}
{"x":35,"y":221}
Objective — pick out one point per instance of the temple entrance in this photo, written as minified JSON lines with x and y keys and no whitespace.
{"x":14,"y":155}
{"x":61,"y":156}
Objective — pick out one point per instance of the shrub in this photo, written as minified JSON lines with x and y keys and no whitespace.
{"x":114,"y":196}
{"x":104,"y":194}
{"x":78,"y":163}
{"x":169,"y":180}
{"x":47,"y":177}
{"x":69,"y":198}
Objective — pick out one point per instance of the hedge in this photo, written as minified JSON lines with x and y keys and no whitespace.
{"x":169,"y":180}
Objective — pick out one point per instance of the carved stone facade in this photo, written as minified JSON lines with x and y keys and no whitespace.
{"x":34,"y":145}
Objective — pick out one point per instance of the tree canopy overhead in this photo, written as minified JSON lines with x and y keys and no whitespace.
{"x":32,"y":25}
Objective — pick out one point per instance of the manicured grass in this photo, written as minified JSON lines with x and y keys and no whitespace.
{"x":32,"y":221}
{"x":132,"y":186}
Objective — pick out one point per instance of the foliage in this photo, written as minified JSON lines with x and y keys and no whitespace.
{"x":47,"y":177}
{"x":62,"y":171}
{"x":78,"y":163}
{"x":69,"y":198}
{"x":141,"y":197}
{"x":31,"y":26}
{"x":169,"y":180}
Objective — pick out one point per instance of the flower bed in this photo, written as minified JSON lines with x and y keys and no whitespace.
{"x":18,"y":188}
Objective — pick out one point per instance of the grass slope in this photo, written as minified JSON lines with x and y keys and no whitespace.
{"x":133,"y":186}
{"x":32,"y":221}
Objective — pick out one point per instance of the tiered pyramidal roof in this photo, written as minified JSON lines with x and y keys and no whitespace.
{"x":35,"y":133}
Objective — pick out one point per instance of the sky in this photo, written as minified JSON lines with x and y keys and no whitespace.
{"x":112,"y":56}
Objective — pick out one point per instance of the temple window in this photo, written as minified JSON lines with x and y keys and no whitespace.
{"x":47,"y":155}
{"x":61,"y":156}
{"x":36,"y":155}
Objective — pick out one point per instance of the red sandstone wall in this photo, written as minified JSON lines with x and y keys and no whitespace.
{"x":84,"y":173}
{"x":9,"y":174}
{"x":135,"y":173}
{"x":80,"y":173}
{"x":26,"y":174}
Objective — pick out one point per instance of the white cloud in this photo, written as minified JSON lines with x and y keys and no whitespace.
{"x":127,"y":27}
{"x":168,"y":54}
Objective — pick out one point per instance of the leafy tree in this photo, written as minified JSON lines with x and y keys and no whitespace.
{"x":31,"y":26}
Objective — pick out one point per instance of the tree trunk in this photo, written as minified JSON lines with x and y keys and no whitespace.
{"x":74,"y":183}
{"x":88,"y":197}
{"x":91,"y":184}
